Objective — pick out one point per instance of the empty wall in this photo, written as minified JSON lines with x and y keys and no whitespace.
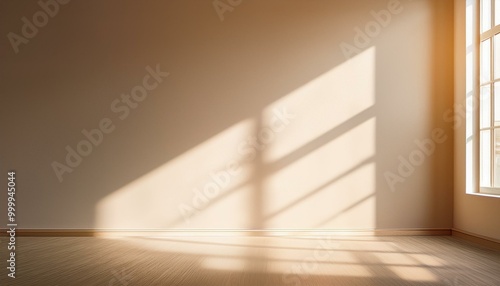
{"x":273,"y":115}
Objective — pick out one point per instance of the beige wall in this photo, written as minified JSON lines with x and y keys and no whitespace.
{"x":472,"y":213}
{"x":324,"y":168}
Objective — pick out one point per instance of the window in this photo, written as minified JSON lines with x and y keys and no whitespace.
{"x":489,"y":97}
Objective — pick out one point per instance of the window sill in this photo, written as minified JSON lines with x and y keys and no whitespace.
{"x":484,"y":195}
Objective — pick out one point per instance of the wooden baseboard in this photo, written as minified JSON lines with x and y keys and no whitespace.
{"x":224,"y":232}
{"x":471,"y":237}
{"x":52,"y":232}
{"x":477,"y":239}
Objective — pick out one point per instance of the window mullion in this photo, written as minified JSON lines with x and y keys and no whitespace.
{"x":492,"y":5}
{"x":476,"y":88}
{"x":489,"y":33}
{"x":492,"y":110}
{"x":492,"y":120}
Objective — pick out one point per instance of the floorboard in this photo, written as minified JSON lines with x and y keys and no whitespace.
{"x":259,"y":261}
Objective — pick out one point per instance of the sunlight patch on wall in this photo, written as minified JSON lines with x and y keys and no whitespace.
{"x":311,"y":152}
{"x":331,"y":186}
{"x":325,"y":103}
{"x":153,"y":200}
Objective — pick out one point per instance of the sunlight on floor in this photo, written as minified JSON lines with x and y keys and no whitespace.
{"x":221,"y":258}
{"x":411,"y":273}
{"x":300,"y":258}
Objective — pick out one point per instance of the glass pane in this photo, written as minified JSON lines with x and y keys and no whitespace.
{"x":496,"y":157}
{"x":496,"y":55}
{"x":497,"y":12}
{"x":497,"y":104}
{"x":484,"y":154}
{"x":485,"y":61}
{"x":485,"y":107}
{"x":485,"y":15}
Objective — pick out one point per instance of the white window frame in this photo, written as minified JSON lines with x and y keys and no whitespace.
{"x":481,"y":37}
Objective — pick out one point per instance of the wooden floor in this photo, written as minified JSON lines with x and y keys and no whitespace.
{"x":251,"y":261}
